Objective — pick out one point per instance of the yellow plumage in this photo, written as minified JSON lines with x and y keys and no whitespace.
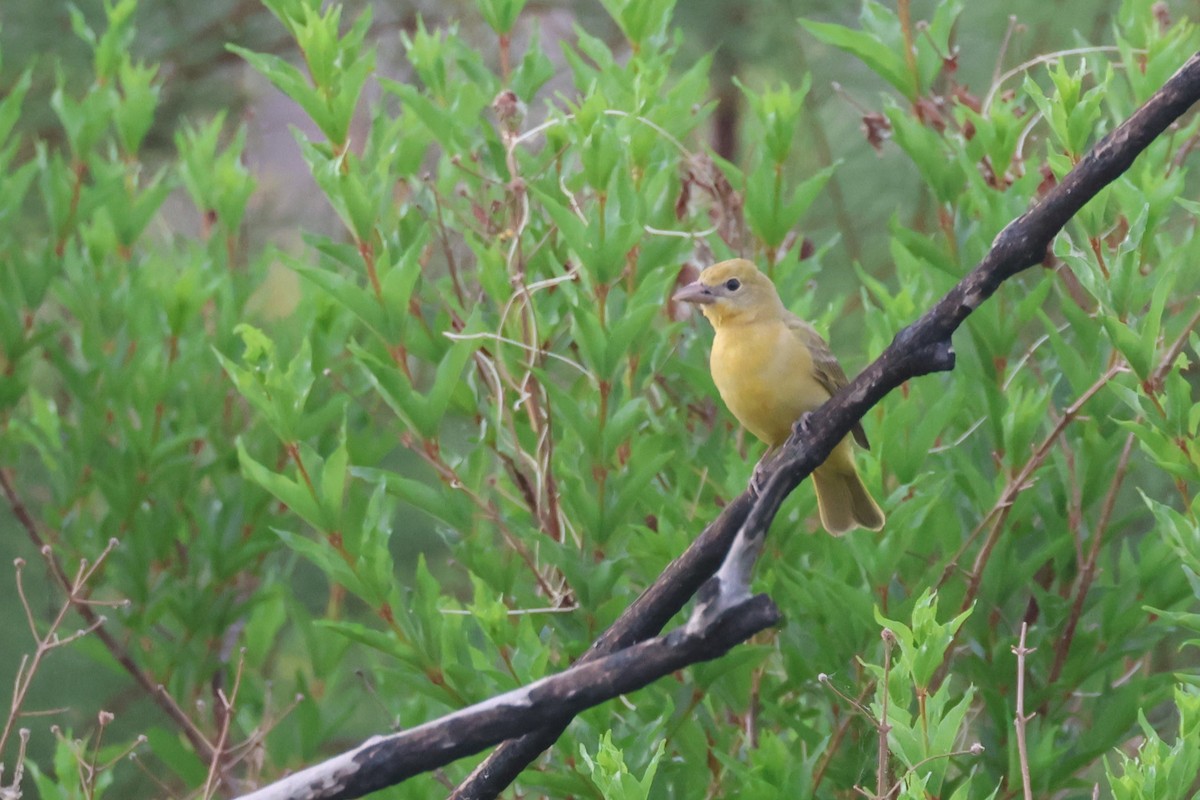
{"x":771,"y":367}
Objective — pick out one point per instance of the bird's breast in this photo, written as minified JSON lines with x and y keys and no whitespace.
{"x":765,"y":376}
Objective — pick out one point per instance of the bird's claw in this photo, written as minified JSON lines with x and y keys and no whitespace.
{"x":803,"y":424}
{"x":758,"y":479}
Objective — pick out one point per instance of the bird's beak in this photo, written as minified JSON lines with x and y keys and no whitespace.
{"x":695,"y":292}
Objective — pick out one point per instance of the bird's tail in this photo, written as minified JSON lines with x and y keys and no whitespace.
{"x":844,"y":501}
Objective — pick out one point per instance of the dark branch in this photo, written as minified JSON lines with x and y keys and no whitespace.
{"x":644,"y":618}
{"x":385,"y":761}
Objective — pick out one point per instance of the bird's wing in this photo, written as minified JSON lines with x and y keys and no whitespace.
{"x":826,"y":369}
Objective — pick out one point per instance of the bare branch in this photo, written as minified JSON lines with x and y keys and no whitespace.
{"x":387,"y":760}
{"x":1022,"y":718}
{"x":884,"y":728}
{"x":80,"y":603}
{"x":644,"y":618}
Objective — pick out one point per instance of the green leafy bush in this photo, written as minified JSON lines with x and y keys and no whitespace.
{"x":484,"y":428}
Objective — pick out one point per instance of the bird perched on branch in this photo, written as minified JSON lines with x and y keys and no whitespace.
{"x":771,"y":368}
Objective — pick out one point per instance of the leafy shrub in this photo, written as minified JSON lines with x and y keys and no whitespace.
{"x":484,"y":428}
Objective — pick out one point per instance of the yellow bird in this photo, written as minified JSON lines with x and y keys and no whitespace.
{"x":771,"y":367}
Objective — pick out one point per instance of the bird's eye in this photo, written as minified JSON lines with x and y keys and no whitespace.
{"x":733,"y":284}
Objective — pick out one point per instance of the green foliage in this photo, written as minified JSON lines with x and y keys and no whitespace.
{"x":338,"y":66}
{"x":484,"y":428}
{"x":82,"y":769}
{"x":113,"y":405}
{"x":500,"y":15}
{"x":908,"y":59}
{"x":1160,"y":771}
{"x":612,"y":777}
{"x":924,"y":725}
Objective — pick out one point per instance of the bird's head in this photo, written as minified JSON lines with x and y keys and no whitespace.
{"x":732,"y":292}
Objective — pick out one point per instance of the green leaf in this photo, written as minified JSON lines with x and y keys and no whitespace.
{"x":877,"y":54}
{"x":296,"y":495}
{"x":384,"y":642}
{"x":333,"y":476}
{"x":1134,"y":348}
{"x":168,"y":747}
{"x":432,"y":500}
{"x":289,"y":80}
{"x":500,"y":15}
{"x":325,"y":558}
{"x":280,"y":395}
{"x":446,"y":379}
{"x":395,"y":389}
{"x":10,"y":105}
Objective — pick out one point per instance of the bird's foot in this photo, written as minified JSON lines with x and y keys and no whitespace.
{"x":803,"y":424}
{"x":758,"y":480}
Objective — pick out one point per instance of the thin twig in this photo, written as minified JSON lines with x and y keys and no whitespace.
{"x":996,"y":517}
{"x":857,"y":704}
{"x":1087,"y":573}
{"x":1044,"y":58}
{"x":1172,"y":353}
{"x":165,"y":702}
{"x":92,"y":767}
{"x":226,"y":717}
{"x":881,"y":755}
{"x":14,"y":788}
{"x":44,"y":644}
{"x":495,"y":337}
{"x":839,"y":733}
{"x":904,"y":11}
{"x":1022,"y":718}
{"x":1008,"y":32}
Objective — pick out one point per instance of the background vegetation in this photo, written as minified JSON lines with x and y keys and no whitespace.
{"x":350,"y":474}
